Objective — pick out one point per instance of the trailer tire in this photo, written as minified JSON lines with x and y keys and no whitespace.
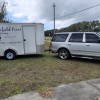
{"x":9,"y":54}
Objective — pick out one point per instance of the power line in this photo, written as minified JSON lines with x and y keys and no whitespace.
{"x":79,"y":11}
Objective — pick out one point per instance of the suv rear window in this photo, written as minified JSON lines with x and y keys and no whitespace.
{"x":91,"y":38}
{"x":59,"y":37}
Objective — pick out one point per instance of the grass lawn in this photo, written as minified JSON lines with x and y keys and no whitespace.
{"x":28,"y":73}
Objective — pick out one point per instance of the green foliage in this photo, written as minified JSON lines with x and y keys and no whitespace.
{"x":85,"y":26}
{"x":50,"y":32}
{"x":3,"y":13}
{"x":92,"y":26}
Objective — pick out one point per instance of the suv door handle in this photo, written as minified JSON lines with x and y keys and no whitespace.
{"x":87,"y":45}
{"x":69,"y":44}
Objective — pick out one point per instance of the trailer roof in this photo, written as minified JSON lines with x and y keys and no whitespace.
{"x":22,"y":23}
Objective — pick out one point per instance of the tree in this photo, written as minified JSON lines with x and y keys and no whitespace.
{"x":85,"y":26}
{"x":3,"y":12}
{"x":50,"y":33}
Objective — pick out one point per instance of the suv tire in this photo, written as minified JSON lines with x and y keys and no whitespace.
{"x":63,"y":54}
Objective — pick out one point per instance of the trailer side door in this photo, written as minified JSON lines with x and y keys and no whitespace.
{"x":29,"y":39}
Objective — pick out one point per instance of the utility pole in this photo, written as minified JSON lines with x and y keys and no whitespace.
{"x":54,"y":15}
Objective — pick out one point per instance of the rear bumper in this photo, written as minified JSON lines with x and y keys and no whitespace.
{"x":53,"y":50}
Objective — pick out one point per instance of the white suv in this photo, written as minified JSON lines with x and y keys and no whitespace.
{"x":82,"y":44}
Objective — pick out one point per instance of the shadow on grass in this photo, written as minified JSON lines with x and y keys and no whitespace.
{"x":55,"y":56}
{"x":26,"y":56}
{"x":30,"y":56}
{"x":96,"y":61}
{"x":84,"y":60}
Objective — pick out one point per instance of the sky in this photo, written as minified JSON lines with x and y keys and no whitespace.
{"x":41,"y":11}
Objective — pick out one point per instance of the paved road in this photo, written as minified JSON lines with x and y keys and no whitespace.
{"x":85,"y":90}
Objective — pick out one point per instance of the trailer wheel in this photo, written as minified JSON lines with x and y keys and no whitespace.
{"x":10,"y":54}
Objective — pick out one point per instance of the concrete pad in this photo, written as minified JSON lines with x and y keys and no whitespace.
{"x":26,"y":96}
{"x":95,"y":83}
{"x":77,"y":91}
{"x":98,"y":98}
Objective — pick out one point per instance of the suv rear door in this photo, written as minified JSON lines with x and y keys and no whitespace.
{"x":76,"y":44}
{"x":58,"y":41}
{"x":92,"y":44}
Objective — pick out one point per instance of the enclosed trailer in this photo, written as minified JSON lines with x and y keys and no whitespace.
{"x":21,"y":39}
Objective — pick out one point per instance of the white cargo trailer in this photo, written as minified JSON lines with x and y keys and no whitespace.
{"x":21,"y":39}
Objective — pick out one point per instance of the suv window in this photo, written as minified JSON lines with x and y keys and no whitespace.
{"x":59,"y":37}
{"x":91,"y":38}
{"x":76,"y":37}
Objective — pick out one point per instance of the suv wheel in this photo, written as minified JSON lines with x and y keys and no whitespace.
{"x":63,"y":54}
